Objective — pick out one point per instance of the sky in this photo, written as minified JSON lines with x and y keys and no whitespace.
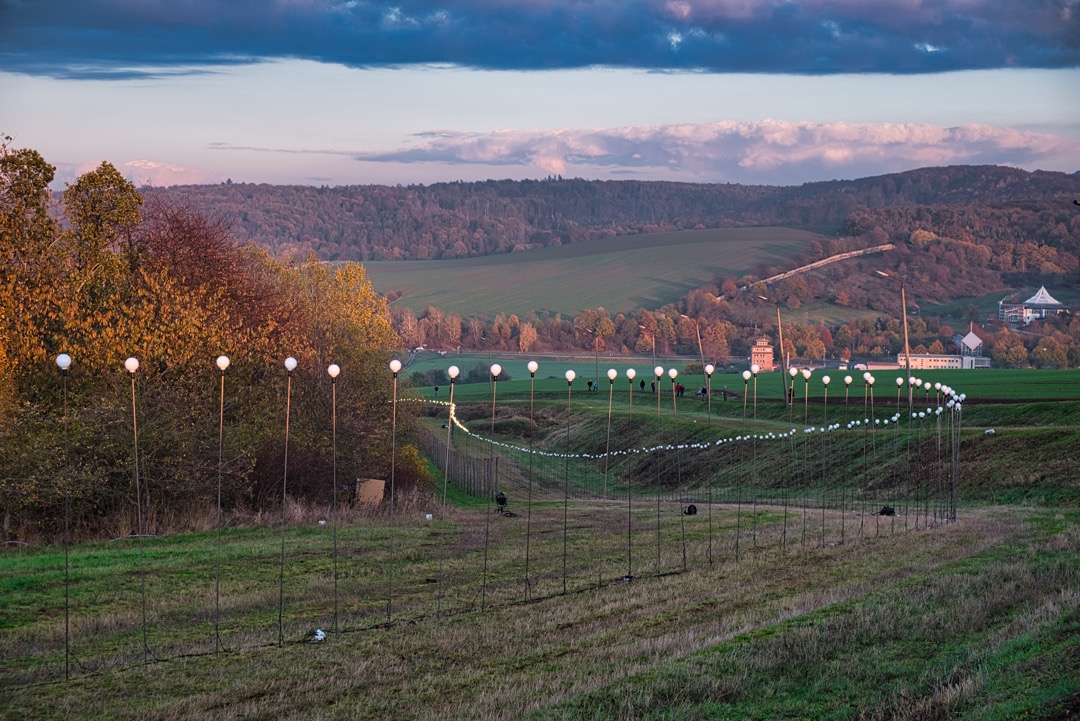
{"x":345,"y":92}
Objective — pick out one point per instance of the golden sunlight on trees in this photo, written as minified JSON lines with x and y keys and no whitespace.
{"x":1009,"y":351}
{"x":165,"y":284}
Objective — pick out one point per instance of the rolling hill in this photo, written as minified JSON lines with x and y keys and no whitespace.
{"x":620,"y":274}
{"x":457,"y":220}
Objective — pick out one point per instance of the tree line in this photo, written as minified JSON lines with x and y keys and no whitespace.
{"x":455,"y":220}
{"x":959,"y":232}
{"x":105,"y":272}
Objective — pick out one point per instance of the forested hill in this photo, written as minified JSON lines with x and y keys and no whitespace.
{"x":453,"y":220}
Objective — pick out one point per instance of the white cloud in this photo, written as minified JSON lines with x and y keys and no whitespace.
{"x":150,"y":172}
{"x":748,"y":151}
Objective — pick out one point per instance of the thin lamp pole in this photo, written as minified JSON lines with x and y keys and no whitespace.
{"x":708,"y":485}
{"x":896,"y":437}
{"x":783,"y":356}
{"x":63,"y":362}
{"x":612,"y":374}
{"x":652,"y":339}
{"x":222,"y":363}
{"x":754,"y":371}
{"x":907,"y":347}
{"x":333,"y":371}
{"x":672,"y":373}
{"x":533,"y":367}
{"x":783,"y":353}
{"x":659,"y":373}
{"x":746,"y":391}
{"x":825,"y":468}
{"x":956,"y":458}
{"x":132,"y":365}
{"x":937,"y":416}
{"x":596,"y":358}
{"x":738,"y":486}
{"x":806,"y":395}
{"x":630,"y":373}
{"x":566,"y":491}
{"x":791,"y":392}
{"x":453,"y":372}
{"x":754,"y":464}
{"x":290,"y":366}
{"x":496,"y":369}
{"x":395,"y":368}
{"x":709,"y":369}
{"x":903,"y":317}
{"x":701,"y":352}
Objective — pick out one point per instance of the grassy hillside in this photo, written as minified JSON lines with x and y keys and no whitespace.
{"x":620,"y":274}
{"x":762,"y":605}
{"x":975,"y":620}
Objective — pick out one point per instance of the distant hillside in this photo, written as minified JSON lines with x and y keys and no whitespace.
{"x":620,"y":274}
{"x":457,"y":220}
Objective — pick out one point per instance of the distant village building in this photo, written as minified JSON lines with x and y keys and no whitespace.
{"x":969,"y":355}
{"x":1038,"y":306}
{"x":762,"y":355}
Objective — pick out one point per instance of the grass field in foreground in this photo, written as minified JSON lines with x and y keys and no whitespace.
{"x":619,"y":274}
{"x":974,"y":620}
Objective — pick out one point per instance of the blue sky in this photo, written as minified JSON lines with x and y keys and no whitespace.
{"x":350,"y":92}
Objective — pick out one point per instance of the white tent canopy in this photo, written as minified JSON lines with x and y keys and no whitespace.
{"x":1042,"y":298}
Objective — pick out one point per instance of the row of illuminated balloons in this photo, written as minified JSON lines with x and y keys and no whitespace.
{"x":612,"y":374}
{"x":63,"y":361}
{"x":861,"y":424}
{"x":131,"y":365}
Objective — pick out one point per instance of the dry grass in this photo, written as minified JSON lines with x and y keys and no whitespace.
{"x":708,"y":641}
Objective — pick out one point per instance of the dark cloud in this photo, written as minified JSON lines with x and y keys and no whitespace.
{"x":125,"y":38}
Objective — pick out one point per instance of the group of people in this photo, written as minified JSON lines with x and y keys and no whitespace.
{"x":680,"y":389}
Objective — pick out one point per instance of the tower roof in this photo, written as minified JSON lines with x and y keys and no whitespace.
{"x":971,"y":341}
{"x":1042,"y":298}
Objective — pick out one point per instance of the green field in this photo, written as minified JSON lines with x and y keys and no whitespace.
{"x":620,"y":274}
{"x":983,"y":385}
{"x":785,"y":596}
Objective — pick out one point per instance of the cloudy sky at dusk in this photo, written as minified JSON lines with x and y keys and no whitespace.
{"x":356,"y":91}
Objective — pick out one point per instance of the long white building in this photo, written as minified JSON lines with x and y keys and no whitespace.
{"x":1038,"y":306}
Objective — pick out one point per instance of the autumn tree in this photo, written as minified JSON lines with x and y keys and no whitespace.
{"x":172,"y":288}
{"x":1051,"y":351}
{"x":527,"y":337}
{"x":594,"y":326}
{"x":1009,"y":350}
{"x":29,"y":272}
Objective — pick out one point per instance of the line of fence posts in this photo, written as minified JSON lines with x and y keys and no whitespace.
{"x":478,"y":476}
{"x":471,"y":475}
